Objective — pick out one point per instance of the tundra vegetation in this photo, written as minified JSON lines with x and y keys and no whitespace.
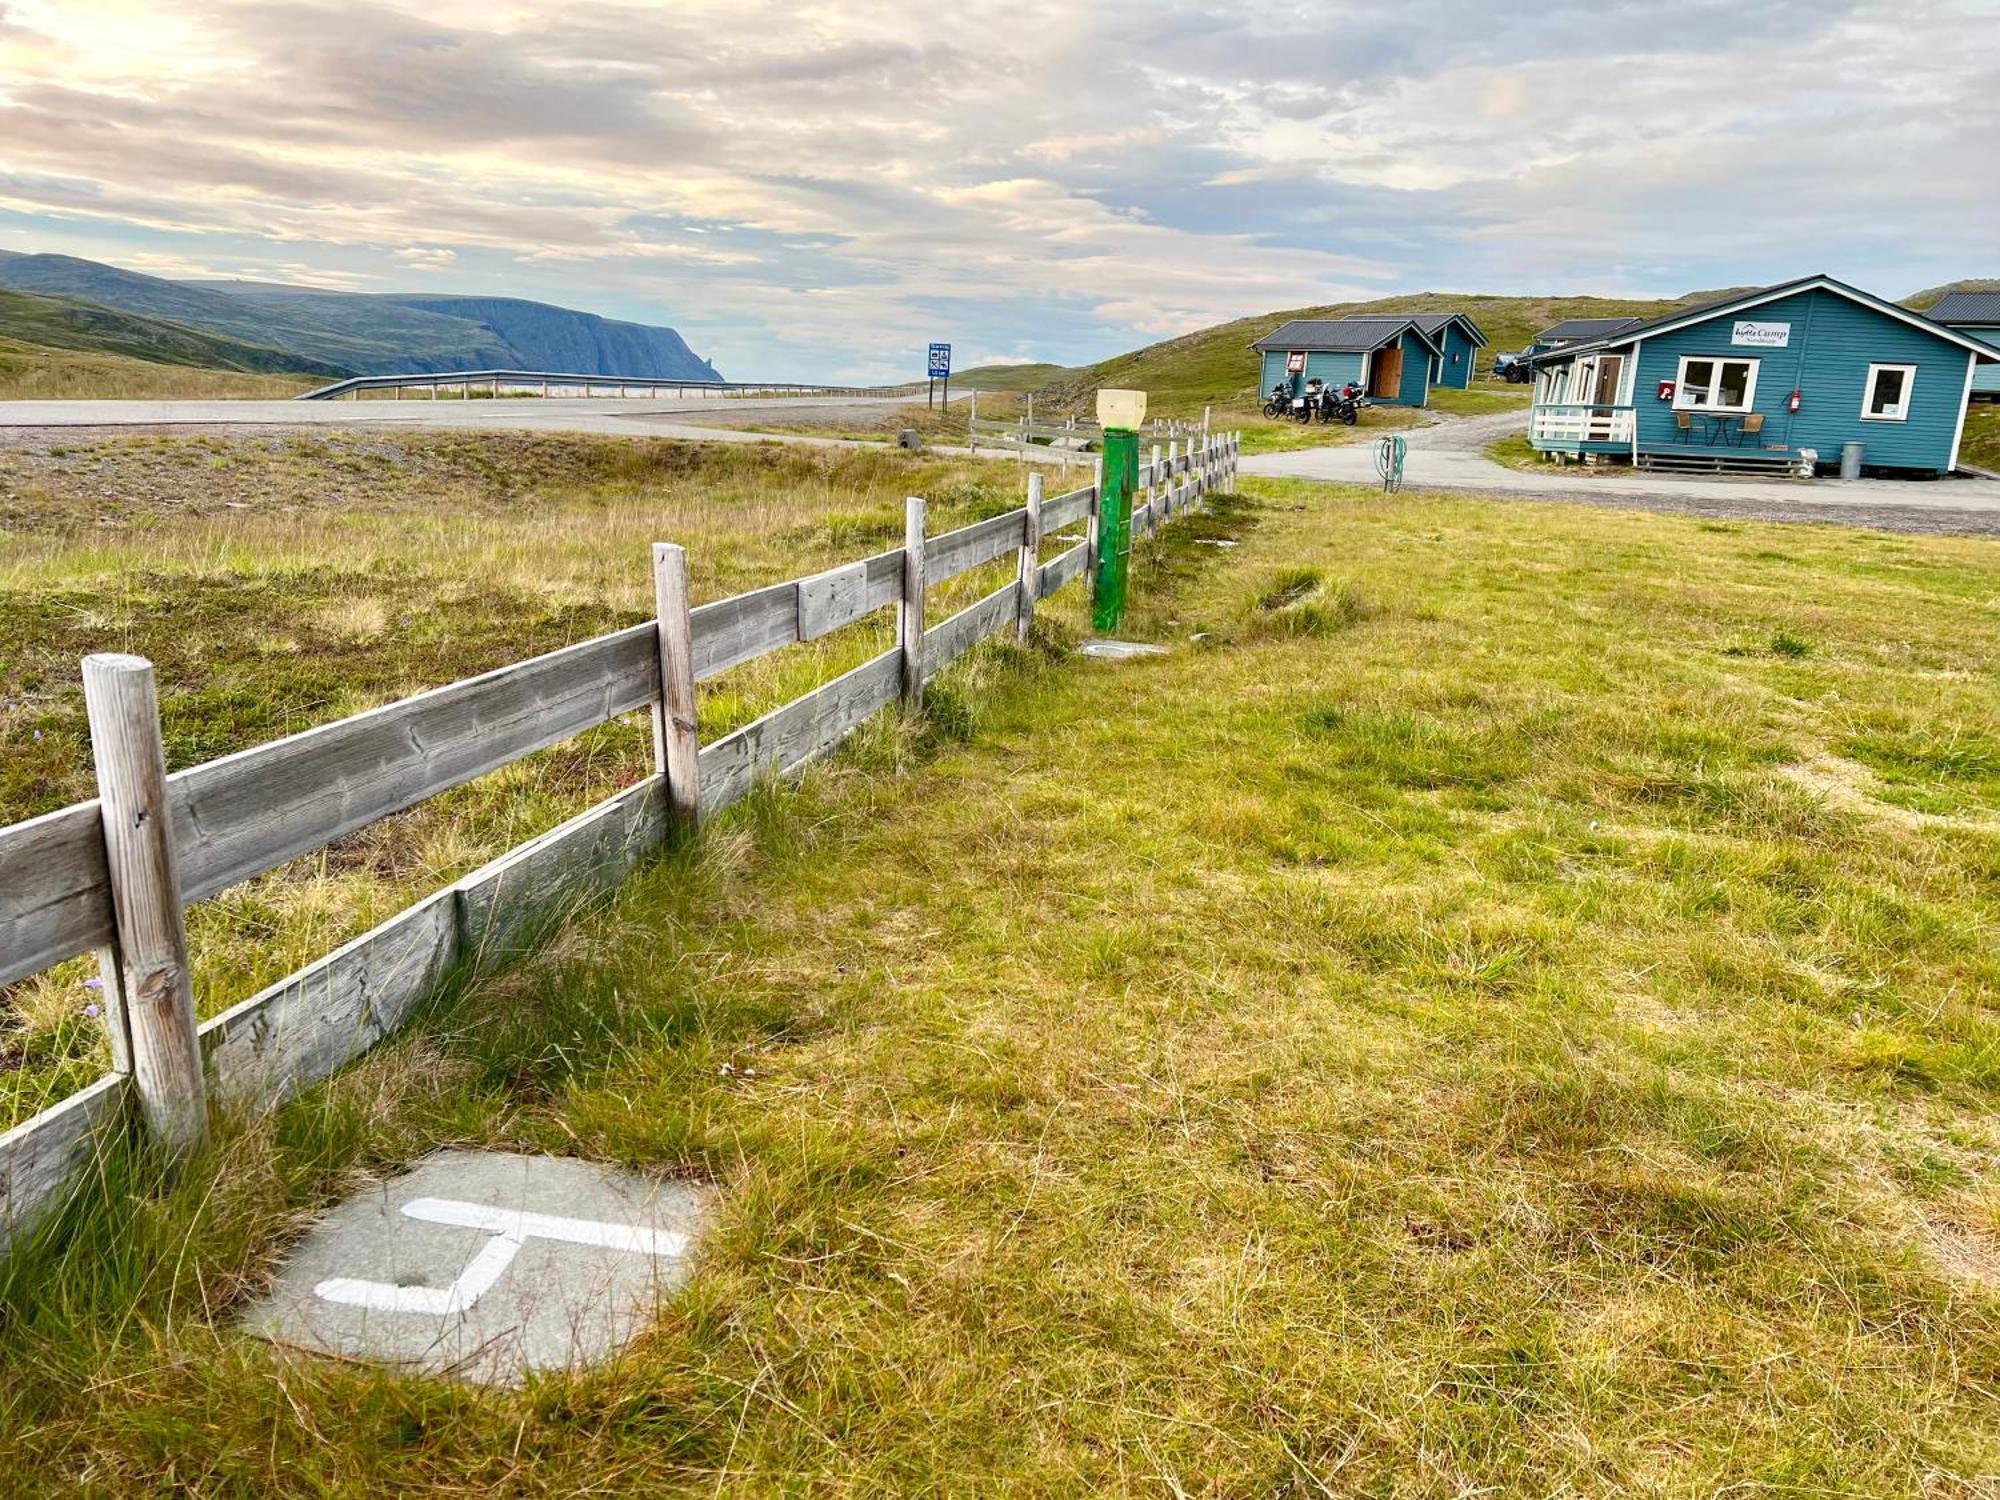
{"x":1507,"y":1004}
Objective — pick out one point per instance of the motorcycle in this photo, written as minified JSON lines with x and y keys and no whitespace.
{"x":1306,"y":405}
{"x":1280,"y":402}
{"x":1343,"y":404}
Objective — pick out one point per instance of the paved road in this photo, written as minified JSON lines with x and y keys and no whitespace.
{"x":665,"y":417}
{"x":1450,"y":456}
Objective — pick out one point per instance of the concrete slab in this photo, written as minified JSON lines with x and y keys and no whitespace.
{"x":1120,"y":650}
{"x":486,"y":1265}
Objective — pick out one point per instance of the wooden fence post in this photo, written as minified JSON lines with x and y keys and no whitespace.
{"x":1158,"y":476}
{"x":676,"y":732}
{"x":157,"y":989}
{"x":1092,"y":533}
{"x":1031,"y":557}
{"x":910,"y":612}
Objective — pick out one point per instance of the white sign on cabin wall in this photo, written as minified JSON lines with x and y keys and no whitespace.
{"x":1761,"y":335}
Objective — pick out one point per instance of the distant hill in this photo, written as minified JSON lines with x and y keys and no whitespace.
{"x":369,"y":334}
{"x":1215,"y":366}
{"x":1011,"y":377}
{"x":29,"y":318}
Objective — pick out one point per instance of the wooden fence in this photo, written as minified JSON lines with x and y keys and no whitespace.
{"x":113,"y":876}
{"x":1063,"y":440}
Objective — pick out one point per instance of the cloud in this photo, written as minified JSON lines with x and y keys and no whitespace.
{"x":820,"y":190}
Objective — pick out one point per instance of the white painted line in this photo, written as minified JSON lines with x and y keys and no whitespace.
{"x":510,"y":1228}
{"x":520,"y":1224}
{"x":474,"y":1282}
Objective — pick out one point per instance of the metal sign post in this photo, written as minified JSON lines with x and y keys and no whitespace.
{"x":1114,"y":525}
{"x":940,"y":369}
{"x":1121,"y":412}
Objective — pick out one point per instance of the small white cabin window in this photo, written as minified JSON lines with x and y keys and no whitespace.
{"x":1716,"y":384}
{"x":1886,"y":396}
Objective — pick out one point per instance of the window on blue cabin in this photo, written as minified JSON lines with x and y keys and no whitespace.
{"x":1886,"y":396}
{"x":1716,"y":384}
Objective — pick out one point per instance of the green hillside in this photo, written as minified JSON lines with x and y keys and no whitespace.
{"x":1216,"y":367}
{"x":37,"y":372}
{"x":70,"y":323}
{"x":1013,"y":377}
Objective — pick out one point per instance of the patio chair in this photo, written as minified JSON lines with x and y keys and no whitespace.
{"x":1683,"y":426}
{"x":1753,"y":426}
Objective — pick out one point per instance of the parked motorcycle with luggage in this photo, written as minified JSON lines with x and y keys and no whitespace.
{"x":1342,"y":403}
{"x":1280,"y":402}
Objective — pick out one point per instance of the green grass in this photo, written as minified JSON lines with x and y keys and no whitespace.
{"x":1020,"y":378}
{"x":1480,"y":400}
{"x":1980,"y":446}
{"x":1482,"y":1015}
{"x":282,"y":582}
{"x":35,"y":372}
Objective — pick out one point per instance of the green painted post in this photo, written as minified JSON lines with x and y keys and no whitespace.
{"x":1114,"y":525}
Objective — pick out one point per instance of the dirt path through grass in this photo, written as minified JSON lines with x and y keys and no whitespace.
{"x":1439,"y":1032}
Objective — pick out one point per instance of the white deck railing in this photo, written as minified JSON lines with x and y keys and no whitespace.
{"x":1563,"y":424}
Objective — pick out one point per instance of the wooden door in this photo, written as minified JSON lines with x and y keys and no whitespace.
{"x":1386,"y":383}
{"x":1610,"y":372}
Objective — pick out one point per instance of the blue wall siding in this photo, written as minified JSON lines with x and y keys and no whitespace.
{"x":1335,"y":369}
{"x":1987,"y":380}
{"x":1457,"y":375}
{"x":1416,"y":389}
{"x":1833,"y":341}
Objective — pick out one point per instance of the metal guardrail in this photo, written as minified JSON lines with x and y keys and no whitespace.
{"x":544,"y":382}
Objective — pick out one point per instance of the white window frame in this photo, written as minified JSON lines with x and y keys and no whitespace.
{"x":1868,"y":393}
{"x":1681,"y":402}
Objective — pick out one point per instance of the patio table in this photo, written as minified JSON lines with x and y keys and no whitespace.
{"x":1718,"y":423}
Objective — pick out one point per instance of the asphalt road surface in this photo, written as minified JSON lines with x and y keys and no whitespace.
{"x":665,"y":417}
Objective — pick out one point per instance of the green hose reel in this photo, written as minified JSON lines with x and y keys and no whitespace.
{"x":1389,"y":453}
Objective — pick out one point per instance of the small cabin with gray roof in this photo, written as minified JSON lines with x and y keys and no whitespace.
{"x":1390,"y":357}
{"x":1976,"y":315}
{"x":1773,"y":379}
{"x":1459,"y":341}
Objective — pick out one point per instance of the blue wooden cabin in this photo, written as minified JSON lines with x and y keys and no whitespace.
{"x":1976,"y":315}
{"x":1459,"y":341}
{"x":1715,"y":387}
{"x":1391,"y":357}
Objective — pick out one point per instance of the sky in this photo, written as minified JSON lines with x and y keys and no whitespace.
{"x":815,"y":192}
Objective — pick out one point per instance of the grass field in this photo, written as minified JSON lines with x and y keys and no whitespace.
{"x":1981,"y":443}
{"x":282,"y":582}
{"x":33,"y":372}
{"x":1507,"y":1006}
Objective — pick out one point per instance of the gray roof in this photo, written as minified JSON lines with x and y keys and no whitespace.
{"x":1583,"y":328}
{"x":1339,"y":335}
{"x":1982,"y":308}
{"x":1632,"y":330}
{"x":1433,"y":324}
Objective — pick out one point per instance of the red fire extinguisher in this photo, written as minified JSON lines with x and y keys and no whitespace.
{"x":1793,"y":401}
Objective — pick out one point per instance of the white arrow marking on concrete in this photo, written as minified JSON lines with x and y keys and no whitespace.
{"x":510,"y":1228}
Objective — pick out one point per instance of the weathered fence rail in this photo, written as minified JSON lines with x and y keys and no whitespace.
{"x":232,"y":819}
{"x":1063,"y":440}
{"x":550,"y":382}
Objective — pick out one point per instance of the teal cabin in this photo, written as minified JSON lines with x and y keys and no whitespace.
{"x":1390,"y":357}
{"x":1976,"y":315}
{"x":1459,"y":341}
{"x":1776,"y":380}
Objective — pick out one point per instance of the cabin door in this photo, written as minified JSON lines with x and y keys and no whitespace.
{"x":1385,"y":381}
{"x":1610,"y":375}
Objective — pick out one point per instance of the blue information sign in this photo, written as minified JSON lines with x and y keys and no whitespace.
{"x":940,"y":361}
